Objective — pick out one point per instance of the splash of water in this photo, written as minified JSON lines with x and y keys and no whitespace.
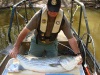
{"x":7,"y":49}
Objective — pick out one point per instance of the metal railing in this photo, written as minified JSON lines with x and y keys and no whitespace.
{"x":89,"y":37}
{"x":14,"y":13}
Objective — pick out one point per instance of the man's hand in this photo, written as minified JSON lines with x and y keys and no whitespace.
{"x":14,"y":52}
{"x":81,"y":60}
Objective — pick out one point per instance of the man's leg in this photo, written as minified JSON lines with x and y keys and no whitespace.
{"x":36,"y":49}
{"x":52,"y":49}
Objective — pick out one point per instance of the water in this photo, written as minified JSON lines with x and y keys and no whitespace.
{"x":94,"y":24}
{"x":93,"y":20}
{"x":93,"y":17}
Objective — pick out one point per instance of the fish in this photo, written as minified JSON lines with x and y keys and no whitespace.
{"x":56,"y":64}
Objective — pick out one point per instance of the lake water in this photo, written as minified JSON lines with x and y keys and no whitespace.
{"x":93,"y":17}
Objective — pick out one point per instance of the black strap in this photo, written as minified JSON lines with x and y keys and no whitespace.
{"x":38,"y":28}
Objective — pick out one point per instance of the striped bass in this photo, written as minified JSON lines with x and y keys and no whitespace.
{"x":47,"y":64}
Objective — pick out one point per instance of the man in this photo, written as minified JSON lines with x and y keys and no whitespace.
{"x":47,"y":24}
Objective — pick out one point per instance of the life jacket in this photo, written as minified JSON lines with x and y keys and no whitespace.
{"x":43,"y":24}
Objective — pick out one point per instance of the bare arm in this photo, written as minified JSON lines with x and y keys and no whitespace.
{"x":19,"y":40}
{"x":21,"y":37}
{"x":74,"y":45}
{"x":24,"y":32}
{"x":71,"y":39}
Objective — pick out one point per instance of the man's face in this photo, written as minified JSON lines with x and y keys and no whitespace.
{"x":52,"y":13}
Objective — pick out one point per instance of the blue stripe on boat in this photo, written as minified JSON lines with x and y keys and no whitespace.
{"x":59,"y":74}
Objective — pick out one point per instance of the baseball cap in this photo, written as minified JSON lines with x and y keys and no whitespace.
{"x":54,"y":5}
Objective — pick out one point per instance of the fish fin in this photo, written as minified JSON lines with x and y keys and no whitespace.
{"x":54,"y":65}
{"x":20,"y":67}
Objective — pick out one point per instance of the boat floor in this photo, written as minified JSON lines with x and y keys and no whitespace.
{"x":76,"y":71}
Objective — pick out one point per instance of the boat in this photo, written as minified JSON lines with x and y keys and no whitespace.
{"x":89,"y":65}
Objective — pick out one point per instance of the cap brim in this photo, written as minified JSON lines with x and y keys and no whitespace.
{"x":54,"y":9}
